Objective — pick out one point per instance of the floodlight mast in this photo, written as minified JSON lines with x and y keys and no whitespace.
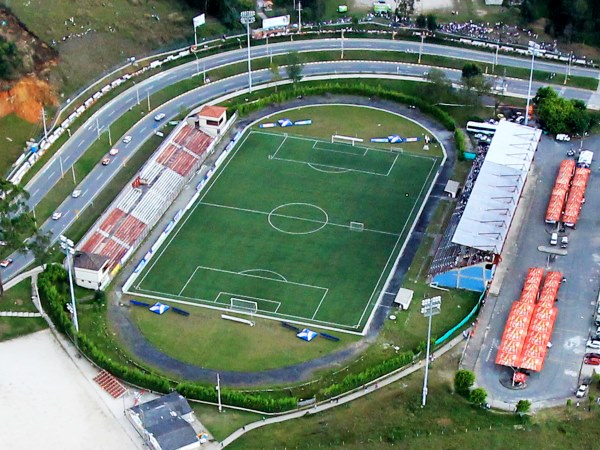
{"x":248,"y":17}
{"x":68,"y":248}
{"x":430,"y":307}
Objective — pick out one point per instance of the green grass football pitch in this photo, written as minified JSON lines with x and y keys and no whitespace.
{"x":301,"y":229}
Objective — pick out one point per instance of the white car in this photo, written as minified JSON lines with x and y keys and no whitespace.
{"x":6,"y":262}
{"x":113,"y":151}
{"x":127,"y":139}
{"x":56,"y":215}
{"x":76,"y":193}
{"x":3,"y":243}
{"x":581,"y":391}
{"x":159,"y":117}
{"x":563,"y":137}
{"x":593,"y":344}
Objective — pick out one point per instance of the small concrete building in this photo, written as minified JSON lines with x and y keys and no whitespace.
{"x":165,"y":423}
{"x":403,"y":298}
{"x":91,"y":270}
{"x":452,"y":188}
{"x":211,"y":119}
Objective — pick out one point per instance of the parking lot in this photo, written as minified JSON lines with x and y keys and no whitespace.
{"x":560,"y":375}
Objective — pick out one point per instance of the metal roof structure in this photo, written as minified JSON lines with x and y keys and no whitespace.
{"x":495,"y":195}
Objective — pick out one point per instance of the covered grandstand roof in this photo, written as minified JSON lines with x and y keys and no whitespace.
{"x":495,"y":195}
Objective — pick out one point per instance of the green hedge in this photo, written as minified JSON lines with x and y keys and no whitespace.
{"x":53,"y":288}
{"x":461,"y":144}
{"x":287,"y":93}
{"x":372,"y":373}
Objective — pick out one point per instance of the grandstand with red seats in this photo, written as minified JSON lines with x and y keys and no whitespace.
{"x":140,"y":205}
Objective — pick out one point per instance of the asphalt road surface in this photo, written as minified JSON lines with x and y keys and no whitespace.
{"x":80,"y":141}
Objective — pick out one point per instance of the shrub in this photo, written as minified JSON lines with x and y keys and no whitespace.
{"x":463,"y":380}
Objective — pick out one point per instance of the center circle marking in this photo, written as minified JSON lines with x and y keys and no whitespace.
{"x":321,"y":224}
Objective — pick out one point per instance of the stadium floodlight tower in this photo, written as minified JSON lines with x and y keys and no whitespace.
{"x":534,"y":49}
{"x":430,"y":308}
{"x":248,"y":17}
{"x":68,"y":248}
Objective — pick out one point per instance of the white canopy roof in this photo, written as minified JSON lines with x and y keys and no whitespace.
{"x":495,"y":195}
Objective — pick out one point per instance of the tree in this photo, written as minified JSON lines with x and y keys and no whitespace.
{"x":294,"y":67}
{"x":470,"y":70}
{"x":523,"y":406}
{"x":463,"y":380}
{"x":16,"y":222}
{"x":39,"y":246}
{"x":431,"y":22}
{"x":275,"y":75}
{"x":439,"y":86}
{"x":421,"y":21}
{"x":478,"y":396}
{"x":559,"y":115}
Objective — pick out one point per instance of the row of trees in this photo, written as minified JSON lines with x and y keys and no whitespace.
{"x":577,"y":20}
{"x":463,"y":385}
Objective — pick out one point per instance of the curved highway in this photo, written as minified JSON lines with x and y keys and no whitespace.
{"x":105,"y":116}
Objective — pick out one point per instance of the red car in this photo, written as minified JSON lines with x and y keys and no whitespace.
{"x":592,"y":361}
{"x":6,"y":262}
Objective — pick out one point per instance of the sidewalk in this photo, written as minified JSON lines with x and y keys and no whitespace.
{"x":369,"y":388}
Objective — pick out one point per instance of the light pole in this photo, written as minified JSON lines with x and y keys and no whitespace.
{"x":248,"y":17}
{"x":568,"y":72}
{"x":421,"y":47}
{"x":68,"y":248}
{"x":533,"y":48}
{"x":218,"y":387}
{"x":430,"y":308}
{"x":342,"y":43}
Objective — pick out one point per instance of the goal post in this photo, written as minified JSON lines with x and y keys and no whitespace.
{"x":357,"y":226}
{"x":239,"y":304}
{"x":340,"y":139}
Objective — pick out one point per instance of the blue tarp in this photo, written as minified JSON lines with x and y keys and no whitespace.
{"x":159,"y":308}
{"x":307,"y":335}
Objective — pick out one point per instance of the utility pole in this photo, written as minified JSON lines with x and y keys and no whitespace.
{"x":299,"y":17}
{"x":109,"y":138}
{"x":421,"y":47}
{"x":219,"y":393}
{"x":62,"y":172}
{"x":44,"y":122}
{"x":137,"y":93}
{"x":248,"y":17}
{"x":148,"y":96}
{"x":342,"y":43}
{"x":495,"y":63}
{"x":568,"y":72}
{"x":68,"y":248}
{"x":430,"y":308}
{"x":97,"y":128}
{"x":533,"y":48}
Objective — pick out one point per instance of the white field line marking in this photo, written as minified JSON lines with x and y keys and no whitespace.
{"x":426,"y":183}
{"x":332,"y":167}
{"x":188,"y":281}
{"x":318,"y":306}
{"x":280,"y":145}
{"x":302,"y":138}
{"x":324,"y":149}
{"x":167,"y":243}
{"x":209,"y":304}
{"x":244,"y":297}
{"x":262,"y":278}
{"x":315,"y":167}
{"x":393,"y":164}
{"x":264,"y":270}
{"x":285,"y":216}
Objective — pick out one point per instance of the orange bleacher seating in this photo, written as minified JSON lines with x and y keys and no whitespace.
{"x":112,"y":219}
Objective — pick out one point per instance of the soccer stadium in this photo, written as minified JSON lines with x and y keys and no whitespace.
{"x":294,"y":228}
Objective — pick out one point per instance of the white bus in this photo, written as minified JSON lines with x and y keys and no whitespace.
{"x":481,"y":127}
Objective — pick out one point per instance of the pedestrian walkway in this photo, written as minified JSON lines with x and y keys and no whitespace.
{"x":347,"y":398}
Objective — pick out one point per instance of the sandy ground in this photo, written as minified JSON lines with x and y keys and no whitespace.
{"x":422,"y":5}
{"x":48,"y":401}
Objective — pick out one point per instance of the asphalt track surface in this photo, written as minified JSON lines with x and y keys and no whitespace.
{"x":81,"y":140}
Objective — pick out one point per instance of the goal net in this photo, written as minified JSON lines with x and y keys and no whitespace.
{"x":239,"y":304}
{"x":337,"y":138}
{"x":357,"y":226}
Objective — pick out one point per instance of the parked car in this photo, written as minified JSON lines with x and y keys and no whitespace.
{"x":76,"y":193}
{"x":127,"y":139}
{"x":554,"y":239}
{"x":571,"y":152}
{"x":159,"y":117}
{"x":563,"y":137}
{"x":113,"y":151}
{"x":592,"y":361}
{"x":564,"y":242}
{"x":3,"y":243}
{"x":591,"y":343}
{"x":106,"y":161}
{"x":6,"y":262}
{"x":580,"y":393}
{"x":56,"y":215}
{"x":592,"y":355}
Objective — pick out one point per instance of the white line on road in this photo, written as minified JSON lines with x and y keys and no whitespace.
{"x":143,"y":129}
{"x":52,"y":174}
{"x":35,"y":192}
{"x":80,"y":144}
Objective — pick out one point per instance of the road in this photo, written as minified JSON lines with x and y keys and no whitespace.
{"x":84,"y":137}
